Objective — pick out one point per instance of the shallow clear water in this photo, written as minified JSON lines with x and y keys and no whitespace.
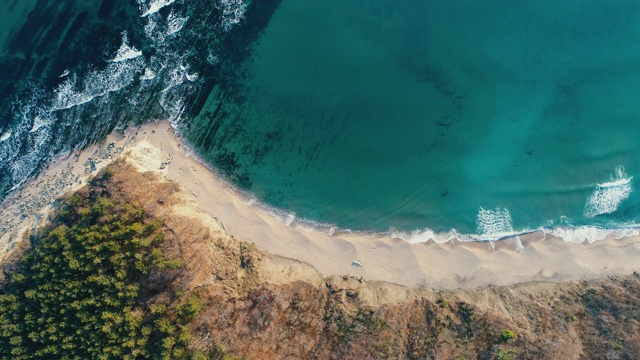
{"x":421,"y":114}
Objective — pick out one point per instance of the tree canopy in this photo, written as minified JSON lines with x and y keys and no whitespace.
{"x":78,"y":292}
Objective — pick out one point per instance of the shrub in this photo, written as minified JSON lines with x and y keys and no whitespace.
{"x":506,"y":354}
{"x":189,"y":308}
{"x":442,"y":302}
{"x":108,"y":173}
{"x":508,"y":335}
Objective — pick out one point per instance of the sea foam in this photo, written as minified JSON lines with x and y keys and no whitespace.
{"x":232,"y":12}
{"x":589,"y":234}
{"x":425,"y":235}
{"x":493,"y":222}
{"x":154,"y":6}
{"x":175,"y":23}
{"x":126,"y":52}
{"x":606,"y":198}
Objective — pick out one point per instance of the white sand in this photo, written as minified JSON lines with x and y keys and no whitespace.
{"x":430,"y":265}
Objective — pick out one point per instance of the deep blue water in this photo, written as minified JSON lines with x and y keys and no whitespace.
{"x":481,"y":116}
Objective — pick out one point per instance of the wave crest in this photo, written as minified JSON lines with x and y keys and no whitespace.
{"x":606,"y":198}
{"x":126,"y":52}
{"x":232,"y":12}
{"x":153,"y":6}
{"x":493,"y":222}
{"x":589,"y":234}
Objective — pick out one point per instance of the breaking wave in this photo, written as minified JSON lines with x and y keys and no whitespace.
{"x":590,"y":234}
{"x":126,"y":52}
{"x":153,"y":6}
{"x":5,"y":136}
{"x":119,"y":74}
{"x":175,"y":23}
{"x":606,"y":198}
{"x":493,"y":222}
{"x":232,"y":12}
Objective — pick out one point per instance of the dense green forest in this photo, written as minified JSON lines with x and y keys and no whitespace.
{"x":80,"y":292}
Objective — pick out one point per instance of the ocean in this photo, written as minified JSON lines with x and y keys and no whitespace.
{"x":423,"y":119}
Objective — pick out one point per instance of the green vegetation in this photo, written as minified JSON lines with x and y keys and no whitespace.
{"x":80,"y":292}
{"x":442,"y":302}
{"x":108,"y":173}
{"x":189,"y":308}
{"x":506,"y":354}
{"x":508,"y":335}
{"x":219,"y":353}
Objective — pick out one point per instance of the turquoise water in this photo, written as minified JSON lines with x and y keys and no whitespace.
{"x":479,"y":116}
{"x":483,"y":116}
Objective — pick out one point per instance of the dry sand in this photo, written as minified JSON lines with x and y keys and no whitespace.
{"x":154,"y":147}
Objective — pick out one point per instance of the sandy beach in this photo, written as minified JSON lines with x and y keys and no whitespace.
{"x":452,"y":265}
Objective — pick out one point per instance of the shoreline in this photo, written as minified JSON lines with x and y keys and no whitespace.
{"x":427,"y":264}
{"x":566,"y":232}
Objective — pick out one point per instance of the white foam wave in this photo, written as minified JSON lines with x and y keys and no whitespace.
{"x":316,"y":226}
{"x":39,"y":123}
{"x":174,"y":105}
{"x":126,"y":52}
{"x":148,"y":75}
{"x":213,"y":59}
{"x":168,"y":67}
{"x":285,"y":217}
{"x":580,"y":234}
{"x":175,"y":23}
{"x":425,"y":235}
{"x":35,"y":119}
{"x":154,"y":6}
{"x":564,"y":220}
{"x":232,"y":12}
{"x":115,"y":77}
{"x":606,"y":198}
{"x":590,"y":234}
{"x":151,"y":31}
{"x":493,"y":223}
{"x":33,"y":127}
{"x":290,"y":219}
{"x":191,"y":77}
{"x":66,"y":96}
